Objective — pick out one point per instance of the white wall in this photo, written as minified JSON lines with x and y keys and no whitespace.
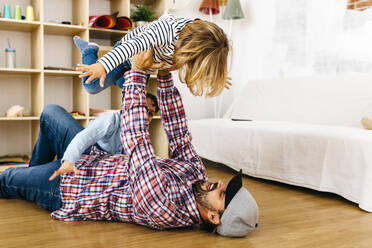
{"x":249,"y":39}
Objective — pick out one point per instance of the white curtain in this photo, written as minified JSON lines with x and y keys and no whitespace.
{"x":319,"y":37}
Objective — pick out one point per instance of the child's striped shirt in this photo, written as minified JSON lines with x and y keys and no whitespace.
{"x":160,"y":35}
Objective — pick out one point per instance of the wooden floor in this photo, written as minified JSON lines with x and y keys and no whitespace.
{"x":289,"y":217}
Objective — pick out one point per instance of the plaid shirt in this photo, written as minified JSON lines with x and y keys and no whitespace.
{"x":138,"y":187}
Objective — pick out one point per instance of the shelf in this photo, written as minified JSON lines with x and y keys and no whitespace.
{"x":29,"y":118}
{"x":101,"y":33}
{"x":18,"y":71}
{"x":18,"y":25}
{"x":46,"y":72}
{"x":61,"y":73}
{"x":63,"y":29}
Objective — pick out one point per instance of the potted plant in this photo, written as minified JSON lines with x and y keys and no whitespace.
{"x":142,"y":15}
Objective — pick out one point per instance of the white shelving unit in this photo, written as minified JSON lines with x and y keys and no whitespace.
{"x":45,"y":42}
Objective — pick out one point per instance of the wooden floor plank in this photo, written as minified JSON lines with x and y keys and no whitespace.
{"x":289,"y":217}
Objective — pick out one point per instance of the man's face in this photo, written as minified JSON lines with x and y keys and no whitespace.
{"x":210,"y":195}
{"x":152,"y":108}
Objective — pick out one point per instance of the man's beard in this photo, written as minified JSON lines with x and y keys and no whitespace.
{"x":201,"y":194}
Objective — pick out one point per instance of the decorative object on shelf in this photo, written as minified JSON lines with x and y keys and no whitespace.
{"x":30,"y":13}
{"x":77,"y":114}
{"x":17,"y":13}
{"x":142,"y":15}
{"x":209,"y":7}
{"x":10,"y":56}
{"x":123,"y":23}
{"x":7,"y":12}
{"x":17,"y":111}
{"x":103,"y":21}
{"x":175,"y":5}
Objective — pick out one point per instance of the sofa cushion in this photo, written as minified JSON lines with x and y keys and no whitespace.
{"x":332,"y":100}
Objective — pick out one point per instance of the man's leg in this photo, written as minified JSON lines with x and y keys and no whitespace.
{"x":57,"y":129}
{"x":32,"y":184}
{"x":90,"y":56}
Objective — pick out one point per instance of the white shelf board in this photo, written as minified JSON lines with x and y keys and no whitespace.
{"x":61,"y":73}
{"x":19,"y":71}
{"x":63,"y":29}
{"x":18,"y":25}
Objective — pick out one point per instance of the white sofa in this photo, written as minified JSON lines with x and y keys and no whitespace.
{"x":304,"y":131}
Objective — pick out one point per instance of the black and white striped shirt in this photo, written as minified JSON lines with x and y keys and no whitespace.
{"x":161,"y":35}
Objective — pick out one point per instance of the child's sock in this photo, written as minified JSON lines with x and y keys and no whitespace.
{"x":82,"y":44}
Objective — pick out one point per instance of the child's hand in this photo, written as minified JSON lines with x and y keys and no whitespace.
{"x":93,"y":71}
{"x":228,"y":83}
{"x":66,"y":167}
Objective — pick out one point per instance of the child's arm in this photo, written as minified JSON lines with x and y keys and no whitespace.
{"x":156,"y":34}
{"x":103,"y":127}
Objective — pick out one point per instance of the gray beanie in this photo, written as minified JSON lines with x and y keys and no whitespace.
{"x":241,"y":210}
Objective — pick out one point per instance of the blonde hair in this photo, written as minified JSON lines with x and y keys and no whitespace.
{"x":201,"y":57}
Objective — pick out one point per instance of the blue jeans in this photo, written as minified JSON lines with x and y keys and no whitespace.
{"x":32,"y":184}
{"x":57,"y":129}
{"x":115,"y":76}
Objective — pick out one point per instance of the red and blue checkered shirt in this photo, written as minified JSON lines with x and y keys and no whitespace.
{"x":138,"y":187}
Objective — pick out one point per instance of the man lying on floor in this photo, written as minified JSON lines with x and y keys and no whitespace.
{"x":138,"y":187}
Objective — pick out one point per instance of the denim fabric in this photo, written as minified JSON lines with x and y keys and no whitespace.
{"x":116,"y":76}
{"x":32,"y":184}
{"x":57,"y":129}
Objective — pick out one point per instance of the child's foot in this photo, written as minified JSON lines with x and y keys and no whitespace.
{"x":82,"y":44}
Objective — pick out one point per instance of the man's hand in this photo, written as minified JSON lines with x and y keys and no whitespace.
{"x":93,"y":71}
{"x":66,"y":167}
{"x":144,"y":61}
{"x":165,"y":72}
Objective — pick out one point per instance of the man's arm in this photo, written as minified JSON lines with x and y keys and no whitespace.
{"x":150,"y":188}
{"x":103,"y":127}
{"x":174,"y":121}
